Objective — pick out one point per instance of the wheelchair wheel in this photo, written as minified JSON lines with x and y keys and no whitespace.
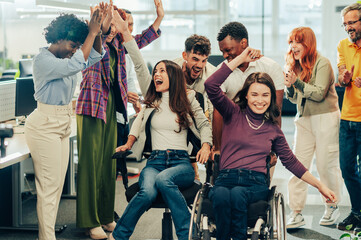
{"x":200,"y":227}
{"x":194,"y":228}
{"x":280,"y":217}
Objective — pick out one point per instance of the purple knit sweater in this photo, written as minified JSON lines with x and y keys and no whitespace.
{"x":243,"y":147}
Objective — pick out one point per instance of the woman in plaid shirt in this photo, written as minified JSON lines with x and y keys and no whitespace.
{"x":103,"y":92}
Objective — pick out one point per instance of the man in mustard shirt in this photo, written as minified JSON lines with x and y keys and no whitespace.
{"x":349,"y":68}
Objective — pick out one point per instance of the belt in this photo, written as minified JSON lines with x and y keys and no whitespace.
{"x":55,"y":109}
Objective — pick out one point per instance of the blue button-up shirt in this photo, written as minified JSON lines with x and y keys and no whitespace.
{"x":55,"y":78}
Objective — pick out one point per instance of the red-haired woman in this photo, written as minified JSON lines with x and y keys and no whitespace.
{"x":310,"y":84}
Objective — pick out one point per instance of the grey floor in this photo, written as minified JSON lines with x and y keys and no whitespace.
{"x":149,"y":225}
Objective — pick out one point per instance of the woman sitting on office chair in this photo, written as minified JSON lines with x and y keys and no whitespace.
{"x":249,"y":133}
{"x":168,"y":168}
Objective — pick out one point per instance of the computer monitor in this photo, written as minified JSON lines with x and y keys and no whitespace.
{"x":26,"y":67}
{"x":24,"y":96}
{"x":215,"y":60}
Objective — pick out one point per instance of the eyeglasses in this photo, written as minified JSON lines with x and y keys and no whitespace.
{"x":344,"y":25}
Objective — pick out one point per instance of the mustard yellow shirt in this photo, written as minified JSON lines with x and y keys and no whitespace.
{"x":349,"y":54}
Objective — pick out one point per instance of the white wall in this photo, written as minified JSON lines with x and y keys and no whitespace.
{"x":25,"y":37}
{"x":331,"y":28}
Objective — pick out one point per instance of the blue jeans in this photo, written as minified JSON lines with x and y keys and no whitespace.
{"x":350,"y":153}
{"x":233,"y":191}
{"x":165,"y":172}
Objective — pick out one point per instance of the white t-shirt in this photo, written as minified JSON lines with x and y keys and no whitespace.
{"x":236,"y":79}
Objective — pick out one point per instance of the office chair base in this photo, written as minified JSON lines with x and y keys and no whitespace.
{"x":33,"y":227}
{"x":167,"y":226}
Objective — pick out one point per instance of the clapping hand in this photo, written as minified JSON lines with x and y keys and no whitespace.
{"x":357,"y":82}
{"x":290,"y":78}
{"x":346,"y":76}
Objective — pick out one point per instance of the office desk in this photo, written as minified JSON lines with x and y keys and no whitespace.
{"x":10,"y":179}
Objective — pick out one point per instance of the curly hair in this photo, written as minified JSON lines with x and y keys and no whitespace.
{"x":198,"y":44}
{"x":240,"y":99}
{"x":307,"y":38}
{"x":234,"y":29}
{"x":66,"y":27}
{"x":178,"y":100}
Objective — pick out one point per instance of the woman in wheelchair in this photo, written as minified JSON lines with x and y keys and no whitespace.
{"x":249,"y":133}
{"x":173,"y":111}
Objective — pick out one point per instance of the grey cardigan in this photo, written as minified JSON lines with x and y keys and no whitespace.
{"x":319,"y":94}
{"x":200,"y":126}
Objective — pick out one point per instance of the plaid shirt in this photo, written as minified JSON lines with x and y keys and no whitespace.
{"x":93,"y":97}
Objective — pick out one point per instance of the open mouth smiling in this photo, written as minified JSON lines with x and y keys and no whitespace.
{"x":158,"y":82}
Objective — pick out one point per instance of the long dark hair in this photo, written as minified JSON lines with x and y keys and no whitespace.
{"x":178,"y":100}
{"x":240,"y":99}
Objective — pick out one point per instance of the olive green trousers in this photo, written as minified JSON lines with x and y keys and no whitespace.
{"x":96,"y":176}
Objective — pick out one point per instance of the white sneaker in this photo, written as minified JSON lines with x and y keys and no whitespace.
{"x":295,"y":220}
{"x":330,"y":215}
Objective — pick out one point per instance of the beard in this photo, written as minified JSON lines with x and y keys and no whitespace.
{"x":189,"y":72}
{"x":356,"y":38}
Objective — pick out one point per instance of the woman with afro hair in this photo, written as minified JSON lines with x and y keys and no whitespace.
{"x":74,"y":46}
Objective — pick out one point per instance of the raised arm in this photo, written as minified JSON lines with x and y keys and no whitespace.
{"x":108,"y":15}
{"x":94,"y":30}
{"x":160,"y":14}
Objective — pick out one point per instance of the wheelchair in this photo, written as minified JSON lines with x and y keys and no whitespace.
{"x":265,"y":220}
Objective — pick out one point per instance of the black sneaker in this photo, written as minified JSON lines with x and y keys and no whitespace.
{"x":349,"y":223}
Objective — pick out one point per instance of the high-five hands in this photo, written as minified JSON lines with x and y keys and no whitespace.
{"x":159,"y":8}
{"x":107,"y":15}
{"x":120,"y":24}
{"x":95,"y":21}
